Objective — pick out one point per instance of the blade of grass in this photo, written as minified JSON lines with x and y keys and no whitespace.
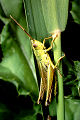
{"x":60,"y":104}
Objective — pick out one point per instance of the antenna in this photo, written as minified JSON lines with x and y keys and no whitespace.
{"x":21,"y":27}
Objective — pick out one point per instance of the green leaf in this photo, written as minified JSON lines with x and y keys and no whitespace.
{"x":46,"y":16}
{"x":25,"y":42}
{"x":76,"y":11}
{"x":5,"y":74}
{"x":68,"y":112}
{"x":2,"y":16}
{"x":72,"y":108}
{"x":77,"y":68}
{"x":16,"y":63}
{"x":12,"y":7}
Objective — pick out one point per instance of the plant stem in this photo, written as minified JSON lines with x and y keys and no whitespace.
{"x":60,"y":104}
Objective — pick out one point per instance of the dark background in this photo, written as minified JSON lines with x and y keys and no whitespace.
{"x":71,"y":38}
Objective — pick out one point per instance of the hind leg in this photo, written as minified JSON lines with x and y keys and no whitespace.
{"x":49,"y":85}
{"x":41,"y":93}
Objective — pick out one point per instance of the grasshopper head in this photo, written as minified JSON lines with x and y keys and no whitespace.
{"x":36,"y":45}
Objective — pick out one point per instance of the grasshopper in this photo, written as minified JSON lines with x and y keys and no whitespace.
{"x":45,"y":64}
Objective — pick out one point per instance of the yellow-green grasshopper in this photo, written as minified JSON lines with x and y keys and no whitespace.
{"x":45,"y":65}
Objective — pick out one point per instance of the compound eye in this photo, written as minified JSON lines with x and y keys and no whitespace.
{"x":34,"y":45}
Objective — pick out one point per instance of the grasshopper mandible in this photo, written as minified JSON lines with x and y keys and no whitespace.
{"x":45,"y":64}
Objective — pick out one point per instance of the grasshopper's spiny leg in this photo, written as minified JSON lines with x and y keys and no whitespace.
{"x":55,"y":66}
{"x":51,"y":69}
{"x":55,"y":86}
{"x":49,"y":84}
{"x":59,"y":60}
{"x":43,"y":85}
{"x":41,"y":93}
{"x":46,"y":39}
{"x":54,"y":36}
{"x":50,"y":46}
{"x":59,"y":72}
